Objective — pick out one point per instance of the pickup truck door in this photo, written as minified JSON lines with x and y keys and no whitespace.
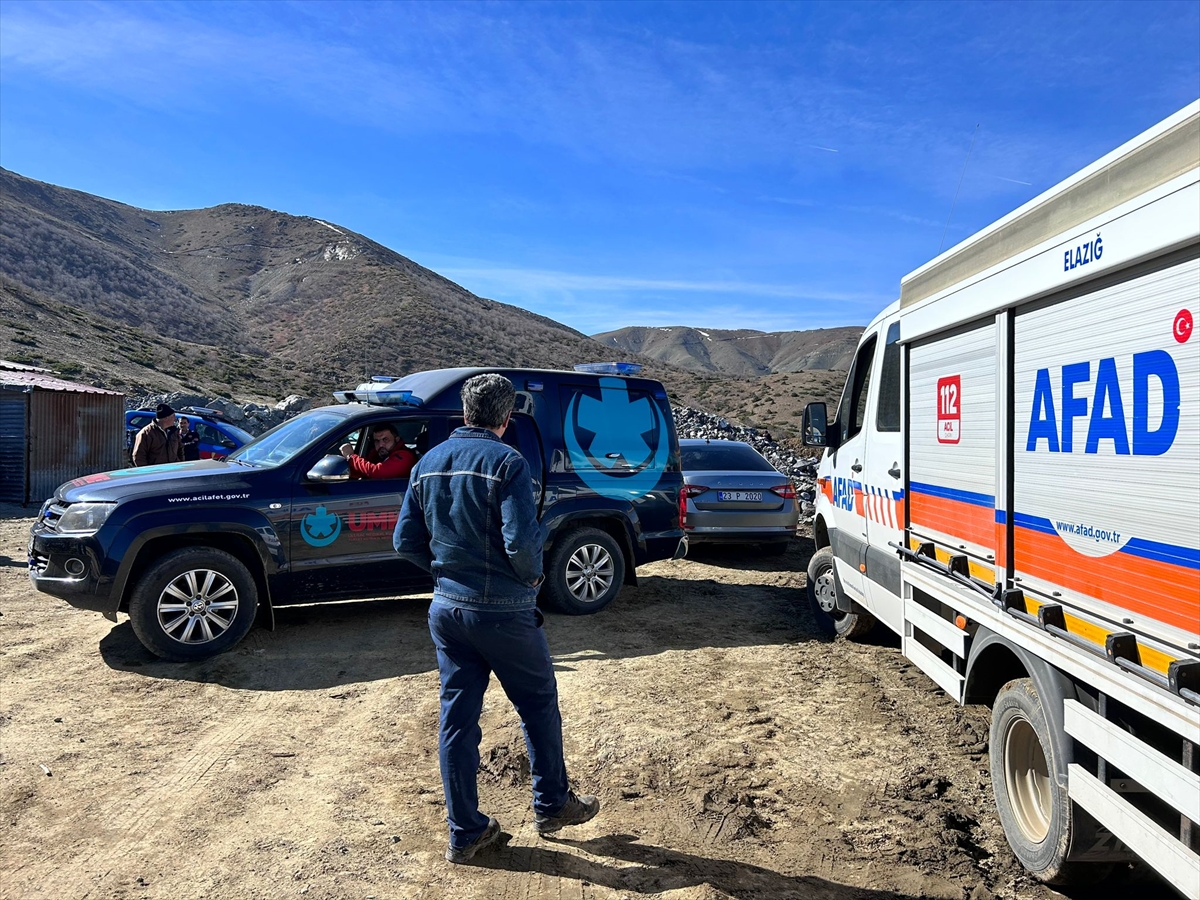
{"x":341,"y":537}
{"x":849,"y":534}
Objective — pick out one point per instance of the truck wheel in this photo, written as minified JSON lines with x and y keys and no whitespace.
{"x":585,"y":572}
{"x":193,"y":603}
{"x":822,"y":598}
{"x":1039,"y":819}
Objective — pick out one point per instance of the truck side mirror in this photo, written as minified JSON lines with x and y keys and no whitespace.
{"x":333,"y":467}
{"x":814,"y":427}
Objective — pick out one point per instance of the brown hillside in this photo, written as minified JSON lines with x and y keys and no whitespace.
{"x":284,"y":303}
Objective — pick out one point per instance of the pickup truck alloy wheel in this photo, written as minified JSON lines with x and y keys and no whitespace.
{"x":589,"y":572}
{"x":198,"y":606}
{"x":193,"y":603}
{"x":584,"y":571}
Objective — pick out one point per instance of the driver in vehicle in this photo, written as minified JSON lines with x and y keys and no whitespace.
{"x":389,"y":458}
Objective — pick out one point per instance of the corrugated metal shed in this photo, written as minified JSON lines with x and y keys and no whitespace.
{"x":14,"y":408}
{"x":53,"y":430}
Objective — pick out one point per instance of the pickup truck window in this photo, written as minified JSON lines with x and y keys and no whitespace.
{"x":281,"y":444}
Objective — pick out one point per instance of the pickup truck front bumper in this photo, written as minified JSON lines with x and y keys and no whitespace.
{"x":68,"y":567}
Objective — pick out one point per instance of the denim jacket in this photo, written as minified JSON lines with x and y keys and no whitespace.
{"x":469,"y":518}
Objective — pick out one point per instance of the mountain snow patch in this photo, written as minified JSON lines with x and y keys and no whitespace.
{"x":341,"y":250}
{"x":330,"y":227}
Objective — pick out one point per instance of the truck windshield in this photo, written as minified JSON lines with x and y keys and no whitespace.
{"x":281,"y":444}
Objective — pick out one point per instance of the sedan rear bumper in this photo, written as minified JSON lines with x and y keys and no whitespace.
{"x":757,"y":534}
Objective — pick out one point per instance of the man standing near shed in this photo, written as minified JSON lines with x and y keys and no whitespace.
{"x":469,"y":519}
{"x":158,"y":442}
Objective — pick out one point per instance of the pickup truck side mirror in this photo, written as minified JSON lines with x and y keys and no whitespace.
{"x":333,"y":467}
{"x":814,"y":427}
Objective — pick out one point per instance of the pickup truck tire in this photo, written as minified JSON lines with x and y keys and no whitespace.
{"x":822,"y":590}
{"x":1039,"y":819}
{"x":193,"y":603}
{"x":585,"y":571}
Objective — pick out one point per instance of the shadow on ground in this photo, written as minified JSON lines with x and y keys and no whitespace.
{"x":324,"y":645}
{"x":655,"y":870}
{"x":17,"y":511}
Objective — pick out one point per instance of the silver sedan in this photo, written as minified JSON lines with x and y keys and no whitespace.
{"x":731,"y":494}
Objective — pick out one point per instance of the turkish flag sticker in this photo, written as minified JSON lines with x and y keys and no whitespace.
{"x":949,"y":406}
{"x":1182,"y":328}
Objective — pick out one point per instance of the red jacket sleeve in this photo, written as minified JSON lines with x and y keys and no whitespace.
{"x":398,"y":465}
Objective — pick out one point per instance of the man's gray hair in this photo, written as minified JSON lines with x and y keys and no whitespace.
{"x":488,"y":400}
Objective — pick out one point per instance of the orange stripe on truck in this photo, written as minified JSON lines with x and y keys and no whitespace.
{"x":1155,"y":589}
{"x":953,"y":517}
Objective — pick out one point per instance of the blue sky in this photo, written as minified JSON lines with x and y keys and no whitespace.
{"x":719,"y":165}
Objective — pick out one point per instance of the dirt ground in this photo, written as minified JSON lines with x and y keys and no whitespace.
{"x":737,"y":752}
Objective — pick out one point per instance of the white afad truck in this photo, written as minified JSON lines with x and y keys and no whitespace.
{"x":1012,"y":485}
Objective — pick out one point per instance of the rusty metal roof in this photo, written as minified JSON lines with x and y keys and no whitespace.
{"x":36,"y":381}
{"x":22,"y":367}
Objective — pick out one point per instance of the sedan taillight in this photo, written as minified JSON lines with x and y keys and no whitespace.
{"x":786,"y":491}
{"x":686,"y":492}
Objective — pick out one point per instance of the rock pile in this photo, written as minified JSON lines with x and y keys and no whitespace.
{"x":252,"y":417}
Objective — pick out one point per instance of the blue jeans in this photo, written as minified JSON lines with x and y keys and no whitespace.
{"x":471,"y":644}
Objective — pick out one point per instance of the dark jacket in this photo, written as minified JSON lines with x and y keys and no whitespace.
{"x":470,"y":518}
{"x":153,"y":446}
{"x":189,"y":442}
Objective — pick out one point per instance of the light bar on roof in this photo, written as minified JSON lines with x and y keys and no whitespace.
{"x":609,"y":368}
{"x":377,"y":397}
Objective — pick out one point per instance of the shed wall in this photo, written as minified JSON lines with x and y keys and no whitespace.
{"x":12,"y":445}
{"x":73,"y":434}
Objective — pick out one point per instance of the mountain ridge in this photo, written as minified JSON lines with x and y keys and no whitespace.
{"x":315,"y":303}
{"x":738,"y":353}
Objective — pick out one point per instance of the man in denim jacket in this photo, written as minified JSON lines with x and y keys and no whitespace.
{"x":470,"y":519}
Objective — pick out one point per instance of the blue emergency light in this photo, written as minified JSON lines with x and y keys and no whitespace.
{"x":609,"y":368}
{"x":364,"y":394}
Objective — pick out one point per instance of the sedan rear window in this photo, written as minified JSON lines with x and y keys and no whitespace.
{"x":731,"y":457}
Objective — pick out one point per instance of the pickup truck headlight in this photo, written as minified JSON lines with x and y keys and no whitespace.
{"x":84,"y":518}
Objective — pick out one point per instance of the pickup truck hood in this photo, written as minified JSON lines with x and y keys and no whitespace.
{"x":169,"y":479}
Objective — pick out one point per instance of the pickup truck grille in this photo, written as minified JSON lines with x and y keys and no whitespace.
{"x":51,"y":513}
